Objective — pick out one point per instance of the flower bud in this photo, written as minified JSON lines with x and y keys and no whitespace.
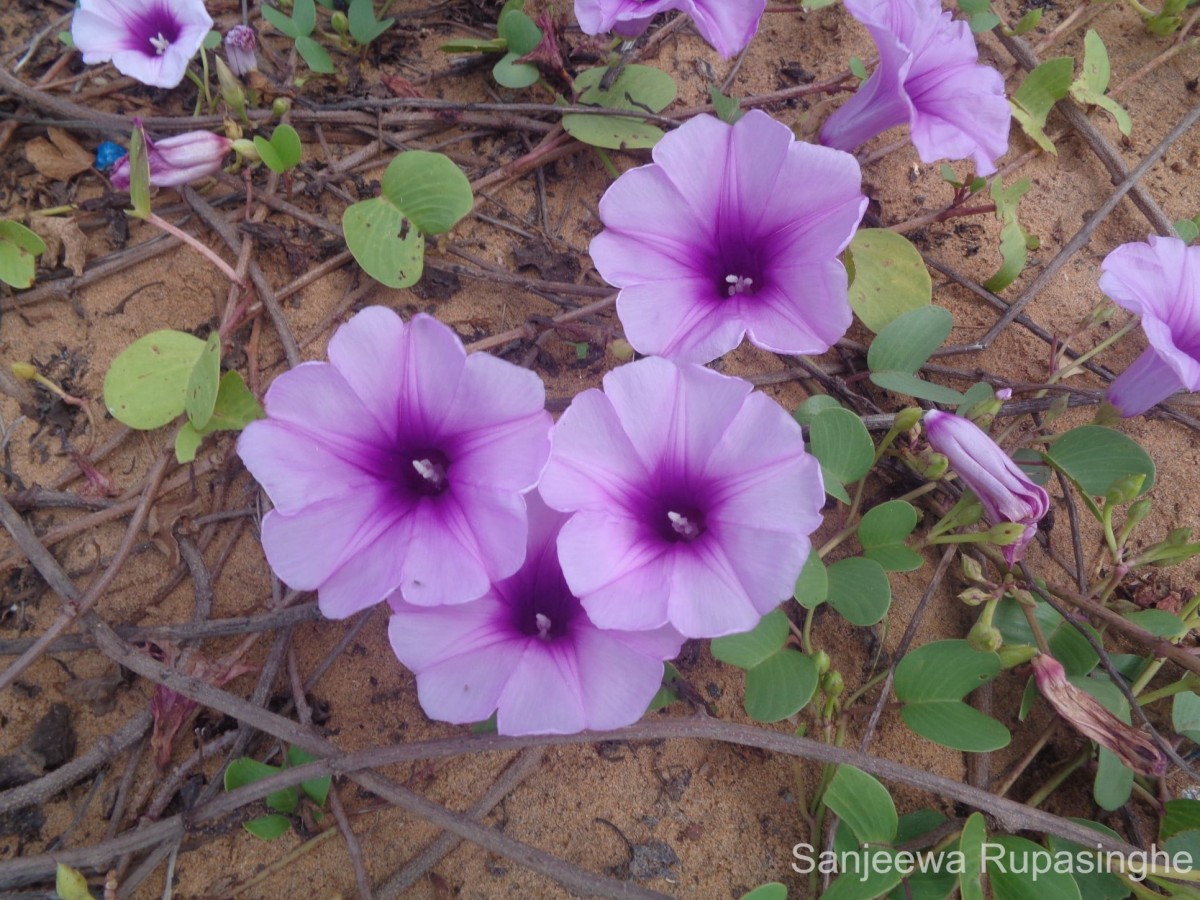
{"x":1022,"y":596}
{"x":24,"y":371}
{"x":240,"y":46}
{"x":1138,"y":512}
{"x":339,"y":23}
{"x":974,"y":596}
{"x":1011,"y":501}
{"x":1125,"y":490}
{"x":280,"y":107}
{"x":1013,"y":655}
{"x":178,"y":160}
{"x":245,"y":149}
{"x":833,"y":684}
{"x":232,"y":91}
{"x":985,"y":638}
{"x":907,"y":419}
{"x":821,"y":661}
{"x":972,"y":570}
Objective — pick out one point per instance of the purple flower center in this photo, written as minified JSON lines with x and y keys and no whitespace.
{"x":155,"y":31}
{"x":680,"y":523}
{"x":736,"y":267}
{"x":424,"y":472}
{"x":538,"y":599}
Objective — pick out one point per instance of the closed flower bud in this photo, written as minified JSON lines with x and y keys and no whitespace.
{"x":1138,"y":512}
{"x":972,"y":570}
{"x":907,"y":419}
{"x":974,"y":596}
{"x":1012,"y":503}
{"x":232,"y":91}
{"x":240,"y":46}
{"x":178,"y":160}
{"x":1125,"y":490}
{"x":1012,"y":655}
{"x":821,"y":661}
{"x":985,"y":638}
{"x":1085,"y":714}
{"x":833,"y":684}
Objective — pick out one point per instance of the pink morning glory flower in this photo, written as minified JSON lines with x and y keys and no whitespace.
{"x":1159,"y":281}
{"x":728,"y":25}
{"x":150,"y":40}
{"x":177,"y":160}
{"x":1007,"y":493}
{"x":693,"y":500}
{"x":928,"y":78}
{"x":733,"y":231}
{"x":397,"y":465}
{"x":529,"y":652}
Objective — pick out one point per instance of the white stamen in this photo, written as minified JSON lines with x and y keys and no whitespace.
{"x":543,"y":626}
{"x":430,"y":471}
{"x":738,"y":284}
{"x":684,"y":527}
{"x":159,"y":43}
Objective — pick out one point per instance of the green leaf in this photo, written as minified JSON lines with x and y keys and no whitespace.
{"x":857,"y":69}
{"x":1159,"y":623}
{"x":18,"y":248}
{"x":882,"y":533}
{"x":146,"y":386}
{"x":1026,"y":23}
{"x":1041,"y":89}
{"x":1094,"y":885}
{"x":974,"y":833}
{"x":1011,"y":879}
{"x":212,"y":40}
{"x":1015,"y":241}
{"x":315,"y":55}
{"x":422,"y":193}
{"x":772,"y":891}
{"x":814,"y":406}
{"x":1179,"y":815}
{"x":641,"y":88}
{"x":1114,"y":782}
{"x":364,"y":27}
{"x":916,"y":386}
{"x":520,"y":32}
{"x":863,"y":804}
{"x":1092,"y":82}
{"x":887,"y":277}
{"x":812,"y":587}
{"x":1185,"y":716}
{"x":780,"y":686}
{"x":909,"y":340}
{"x":268,"y":827}
{"x":70,"y":884}
{"x":473,"y":45}
{"x":748,"y":649}
{"x":245,"y":771}
{"x":139,"y":173}
{"x":201,"y":395}
{"x":317,"y":789}
{"x":667,"y":693}
{"x":841,"y":443}
{"x":980,"y":15}
{"x":514,"y":75}
{"x":931,"y":682}
{"x":816,"y":4}
{"x":1187,"y":229}
{"x":726,"y":108}
{"x":235,"y":408}
{"x":859,"y":590}
{"x":1094,"y":457}
{"x":283,"y":23}
{"x":304,"y":15}
{"x":283,"y":151}
{"x":1067,"y":645}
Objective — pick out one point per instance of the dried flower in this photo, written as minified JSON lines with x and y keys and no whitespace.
{"x":928,"y":77}
{"x":398,"y":465}
{"x":1159,"y":281}
{"x":177,"y":160}
{"x":150,"y":40}
{"x":1007,"y":493}
{"x":743,"y":239}
{"x":693,"y":500}
{"x":1085,"y":714}
{"x":528,"y":650}
{"x":728,"y":25}
{"x":240,"y":46}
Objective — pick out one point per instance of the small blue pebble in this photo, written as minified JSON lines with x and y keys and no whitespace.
{"x":107,"y":155}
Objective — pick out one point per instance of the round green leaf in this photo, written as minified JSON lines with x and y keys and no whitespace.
{"x":1094,"y":457}
{"x":1011,"y":878}
{"x":864,"y":804}
{"x":384,"y":242}
{"x":814,"y":406}
{"x":889,"y":277}
{"x":842,"y":444}
{"x":914,"y":385}
{"x":146,"y":386}
{"x":1185,"y":718}
{"x":943,"y":670}
{"x":812,"y":587}
{"x":882,"y":533}
{"x":748,"y":649}
{"x":909,"y":340}
{"x":952,"y":723}
{"x":514,"y":75}
{"x":19,"y":248}
{"x":203,"y":382}
{"x":780,"y":686}
{"x":268,"y":827}
{"x":520,"y":32}
{"x":859,"y":590}
{"x":637,"y":87}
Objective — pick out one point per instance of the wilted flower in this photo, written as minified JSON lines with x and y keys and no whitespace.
{"x":1160,"y":282}
{"x":732,"y":231}
{"x":240,"y":44}
{"x":150,"y":40}
{"x":928,"y":77}
{"x":397,"y":465}
{"x":1007,"y":494}
{"x":693,"y":499}
{"x":1085,"y":714}
{"x":528,"y":651}
{"x":177,"y":160}
{"x":728,"y":25}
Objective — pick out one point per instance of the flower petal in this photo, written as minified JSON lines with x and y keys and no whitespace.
{"x":367,"y":351}
{"x":542,"y":695}
{"x":1149,"y":381}
{"x":708,"y":598}
{"x":295,"y":468}
{"x":616,"y":681}
{"x":681,"y":319}
{"x":806,"y":310}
